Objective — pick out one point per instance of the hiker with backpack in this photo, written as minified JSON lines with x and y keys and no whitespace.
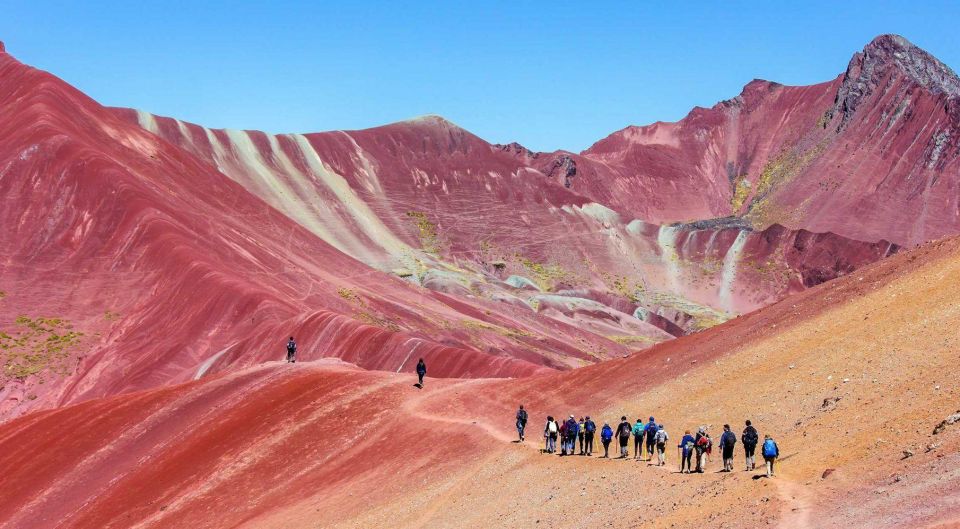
{"x":686,"y":448}
{"x":727,"y":441}
{"x":606,"y":435}
{"x":521,"y":421}
{"x":701,"y":446}
{"x":650,"y":430}
{"x":750,"y":438}
{"x":550,"y":432}
{"x":421,"y":372}
{"x":623,"y":435}
{"x":291,"y":351}
{"x":770,"y":453}
{"x":638,"y":430}
{"x":571,"y":429}
{"x":589,"y":428}
{"x":661,"y":439}
{"x":580,"y":434}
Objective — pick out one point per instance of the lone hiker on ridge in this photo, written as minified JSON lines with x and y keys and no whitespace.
{"x":291,"y":351}
{"x":421,"y":372}
{"x":521,"y":421}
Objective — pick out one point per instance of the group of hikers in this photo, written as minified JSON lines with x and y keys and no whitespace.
{"x":651,"y":438}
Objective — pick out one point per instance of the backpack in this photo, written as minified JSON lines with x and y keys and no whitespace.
{"x":770,"y":448}
{"x":688,"y":446}
{"x":291,"y":346}
{"x":750,"y":437}
{"x":590,"y":427}
{"x":552,"y":427}
{"x":661,"y":436}
{"x":523,"y":416}
{"x":606,"y":434}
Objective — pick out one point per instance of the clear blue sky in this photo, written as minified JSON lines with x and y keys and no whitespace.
{"x":551,"y":75}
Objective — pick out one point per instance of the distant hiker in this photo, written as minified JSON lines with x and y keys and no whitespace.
{"x":521,"y":421}
{"x":421,"y":372}
{"x":701,"y":446}
{"x":727,"y":441}
{"x":686,"y":448}
{"x":550,"y":432}
{"x":580,"y":434}
{"x":589,"y":428}
{"x":650,"y":430}
{"x":291,"y":351}
{"x":623,"y":435}
{"x":750,"y":438}
{"x":638,"y":430}
{"x":606,"y":435}
{"x":770,"y":453}
{"x":661,"y":439}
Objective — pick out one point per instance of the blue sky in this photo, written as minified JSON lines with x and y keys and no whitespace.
{"x":550,"y":75}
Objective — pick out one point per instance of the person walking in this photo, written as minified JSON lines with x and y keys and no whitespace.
{"x":661,"y":439}
{"x":727,"y":441}
{"x":421,"y":372}
{"x":638,"y":430}
{"x":291,"y":351}
{"x":572,"y":430}
{"x":563,"y":438}
{"x":623,"y":435}
{"x":550,"y":432}
{"x":589,"y":428}
{"x":606,"y":435}
{"x":750,"y":438}
{"x":521,"y":421}
{"x":770,"y":454}
{"x":650,"y":430}
{"x":686,"y":448}
{"x":702,"y":445}
{"x":580,"y":435}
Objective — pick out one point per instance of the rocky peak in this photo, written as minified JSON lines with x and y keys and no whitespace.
{"x":868,"y":67}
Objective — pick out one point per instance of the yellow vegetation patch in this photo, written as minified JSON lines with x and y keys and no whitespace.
{"x":37,"y":346}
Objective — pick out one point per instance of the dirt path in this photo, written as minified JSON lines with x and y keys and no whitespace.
{"x":798,"y":501}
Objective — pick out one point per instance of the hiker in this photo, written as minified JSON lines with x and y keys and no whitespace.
{"x":623,"y":434}
{"x":589,"y":427}
{"x":291,"y":351}
{"x":563,"y":438}
{"x":770,"y":453}
{"x":550,"y":432}
{"x":661,"y":439}
{"x":606,"y":435}
{"x":521,"y":421}
{"x":686,"y":450}
{"x":701,"y":446}
{"x":638,"y":430}
{"x":727,"y":441}
{"x":421,"y":372}
{"x":572,"y":430}
{"x":651,"y":432}
{"x":750,"y":438}
{"x":580,"y":434}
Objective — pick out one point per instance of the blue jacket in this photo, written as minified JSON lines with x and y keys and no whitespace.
{"x":607,"y":433}
{"x":727,"y":440}
{"x":687,"y":444}
{"x":651,"y":429}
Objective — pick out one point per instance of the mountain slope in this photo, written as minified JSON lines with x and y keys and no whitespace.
{"x":827,"y":372}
